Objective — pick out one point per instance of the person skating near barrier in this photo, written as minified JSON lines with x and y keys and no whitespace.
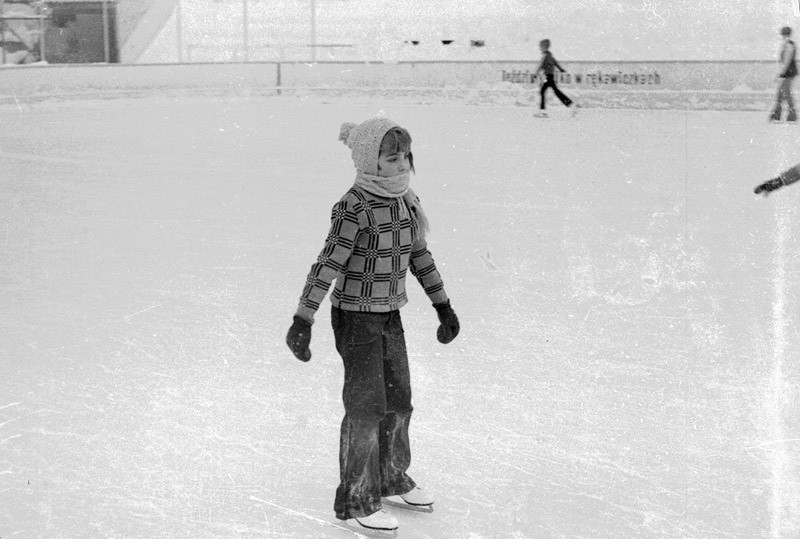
{"x":548,"y":66}
{"x":787,"y":71}
{"x":378,"y":232}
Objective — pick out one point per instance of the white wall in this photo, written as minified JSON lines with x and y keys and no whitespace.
{"x":42,"y":81}
{"x":628,"y":76}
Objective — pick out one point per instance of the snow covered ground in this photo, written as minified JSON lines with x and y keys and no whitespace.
{"x":628,"y":358}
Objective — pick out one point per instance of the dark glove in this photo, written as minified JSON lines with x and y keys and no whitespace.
{"x":768,"y":186}
{"x":299,"y":337}
{"x":448,"y":322}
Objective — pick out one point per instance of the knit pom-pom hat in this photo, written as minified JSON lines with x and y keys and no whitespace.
{"x":365,"y":141}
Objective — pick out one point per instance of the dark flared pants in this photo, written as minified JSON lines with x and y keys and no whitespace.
{"x":374,"y":449}
{"x":784,"y":94}
{"x":550,"y":82}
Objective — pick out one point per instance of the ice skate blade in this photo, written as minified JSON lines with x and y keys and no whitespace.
{"x":353,"y":525}
{"x":397,"y":501}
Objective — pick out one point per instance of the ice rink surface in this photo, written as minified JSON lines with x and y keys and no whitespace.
{"x":627,"y":365}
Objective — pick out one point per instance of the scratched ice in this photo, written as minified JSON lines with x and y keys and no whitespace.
{"x":624,"y":368}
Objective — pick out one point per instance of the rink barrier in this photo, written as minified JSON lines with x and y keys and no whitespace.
{"x":734,"y":85}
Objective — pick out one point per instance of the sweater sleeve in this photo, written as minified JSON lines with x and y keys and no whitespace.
{"x":790,"y":175}
{"x":333,"y":258}
{"x":424,"y":269}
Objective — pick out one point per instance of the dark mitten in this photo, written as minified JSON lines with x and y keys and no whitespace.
{"x":448,"y":322}
{"x":768,"y":186}
{"x":299,"y":337}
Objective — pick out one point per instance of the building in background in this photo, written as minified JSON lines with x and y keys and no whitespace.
{"x":22,"y":25}
{"x":81,"y":31}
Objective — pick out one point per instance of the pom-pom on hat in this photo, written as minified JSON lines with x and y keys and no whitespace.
{"x":365,"y":141}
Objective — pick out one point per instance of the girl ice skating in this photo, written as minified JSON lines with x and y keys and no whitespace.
{"x":377,"y":233}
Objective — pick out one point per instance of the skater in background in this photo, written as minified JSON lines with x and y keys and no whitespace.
{"x":786,"y":177}
{"x":787,"y":70}
{"x":377,"y":232}
{"x":549,"y":66}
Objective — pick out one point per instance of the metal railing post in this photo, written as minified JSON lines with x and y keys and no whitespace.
{"x":2,"y":32}
{"x":106,"y":36}
{"x":245,"y":34}
{"x":313,"y":31}
{"x":42,"y":31}
{"x":179,"y":32}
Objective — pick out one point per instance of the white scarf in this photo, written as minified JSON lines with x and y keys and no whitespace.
{"x":397,"y":187}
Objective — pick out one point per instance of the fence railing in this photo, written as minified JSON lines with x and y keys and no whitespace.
{"x":310,"y":31}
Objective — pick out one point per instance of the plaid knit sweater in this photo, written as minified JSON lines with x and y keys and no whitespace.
{"x":368,"y":250}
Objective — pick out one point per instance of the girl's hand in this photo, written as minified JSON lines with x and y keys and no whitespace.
{"x":448,"y":322}
{"x":299,"y":337}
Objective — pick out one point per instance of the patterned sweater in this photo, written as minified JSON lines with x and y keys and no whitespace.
{"x":368,"y":250}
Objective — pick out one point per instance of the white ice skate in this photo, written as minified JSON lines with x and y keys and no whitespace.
{"x":573,"y":107}
{"x":416,"y":500}
{"x":380,"y":524}
{"x":541,"y":114}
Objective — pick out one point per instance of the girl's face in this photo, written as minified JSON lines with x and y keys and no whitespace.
{"x":393,"y":164}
